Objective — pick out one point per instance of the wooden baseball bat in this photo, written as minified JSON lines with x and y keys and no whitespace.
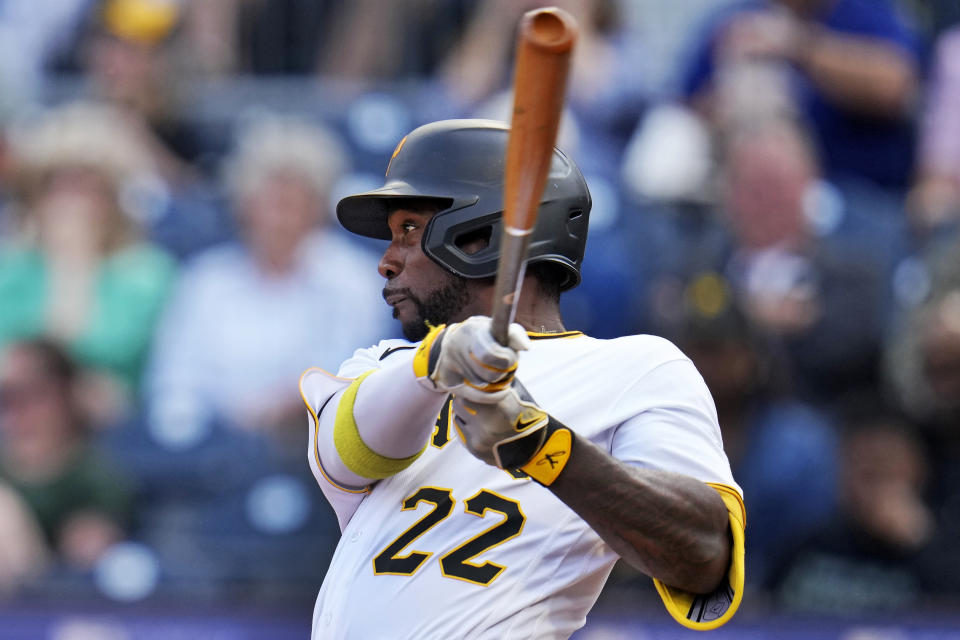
{"x":544,"y":44}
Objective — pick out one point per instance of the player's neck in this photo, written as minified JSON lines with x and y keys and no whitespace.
{"x":536,"y":311}
{"x":539,"y":314}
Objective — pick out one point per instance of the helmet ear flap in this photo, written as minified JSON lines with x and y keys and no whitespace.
{"x":475,"y":240}
{"x":462,"y":243}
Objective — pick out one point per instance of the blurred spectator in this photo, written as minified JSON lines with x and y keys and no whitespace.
{"x":870,"y":558}
{"x":922,"y":367}
{"x":31,"y":33}
{"x":782,"y":450}
{"x":78,"y":271}
{"x":82,"y":504}
{"x":134,"y":59}
{"x":128,"y":63}
{"x":935,"y":197}
{"x":369,"y":40}
{"x":847,"y":67}
{"x":922,"y":360}
{"x":362,"y":40}
{"x":249,"y":318}
{"x":604,"y":89}
{"x":23,"y":556}
{"x":808,"y":266}
{"x":206,"y":42}
{"x":934,"y":16}
{"x":6,"y":184}
{"x":812,"y":267}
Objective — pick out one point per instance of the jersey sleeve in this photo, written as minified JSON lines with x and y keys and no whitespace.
{"x":672,"y":424}
{"x":317,"y":388}
{"x":705,"y":612}
{"x":364,"y":360}
{"x":676,"y":429}
{"x":363,"y":419}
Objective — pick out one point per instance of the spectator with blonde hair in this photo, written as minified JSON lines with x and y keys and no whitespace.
{"x":248,"y":318}
{"x":77,"y":269}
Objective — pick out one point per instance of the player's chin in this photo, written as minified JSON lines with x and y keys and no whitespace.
{"x":406,"y":313}
{"x":414,"y":329}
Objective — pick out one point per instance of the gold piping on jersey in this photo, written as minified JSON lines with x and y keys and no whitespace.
{"x":538,"y":335}
{"x":703,"y":613}
{"x":316,"y":433}
{"x":516,"y":474}
{"x":353,"y":451}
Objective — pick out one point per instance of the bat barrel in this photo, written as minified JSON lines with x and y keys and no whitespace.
{"x":545,"y":41}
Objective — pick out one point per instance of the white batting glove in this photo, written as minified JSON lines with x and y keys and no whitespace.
{"x":514,"y":433}
{"x":463,"y":358}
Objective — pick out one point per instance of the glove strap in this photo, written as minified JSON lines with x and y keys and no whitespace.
{"x":550,"y":459}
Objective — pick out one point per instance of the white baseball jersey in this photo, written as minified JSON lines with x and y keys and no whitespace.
{"x":451,"y":547}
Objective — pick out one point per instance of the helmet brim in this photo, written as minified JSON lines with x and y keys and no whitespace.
{"x":366,"y":213}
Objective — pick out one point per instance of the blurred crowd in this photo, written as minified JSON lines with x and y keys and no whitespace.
{"x":776,"y":188}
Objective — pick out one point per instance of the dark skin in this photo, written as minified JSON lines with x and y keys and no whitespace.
{"x":668,"y":525}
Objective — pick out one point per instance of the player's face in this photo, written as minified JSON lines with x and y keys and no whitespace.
{"x":420,"y":290}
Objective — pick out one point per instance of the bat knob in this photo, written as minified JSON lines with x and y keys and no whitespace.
{"x":551,"y":29}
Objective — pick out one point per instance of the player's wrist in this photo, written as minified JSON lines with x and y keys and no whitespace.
{"x":426,"y":356}
{"x":553,"y":452}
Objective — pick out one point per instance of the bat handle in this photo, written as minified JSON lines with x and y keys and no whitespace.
{"x":510,"y":271}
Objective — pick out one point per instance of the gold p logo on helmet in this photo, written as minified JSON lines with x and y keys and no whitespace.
{"x":395,"y":152}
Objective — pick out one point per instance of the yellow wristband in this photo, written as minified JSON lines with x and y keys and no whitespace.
{"x":547,"y":463}
{"x":421,"y":359}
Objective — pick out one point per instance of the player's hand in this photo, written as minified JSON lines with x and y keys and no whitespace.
{"x":506,"y":433}
{"x":464,"y":358}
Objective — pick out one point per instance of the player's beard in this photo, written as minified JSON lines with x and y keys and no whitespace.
{"x":441,"y":306}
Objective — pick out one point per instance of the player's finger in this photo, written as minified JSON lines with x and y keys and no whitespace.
{"x":517,"y":337}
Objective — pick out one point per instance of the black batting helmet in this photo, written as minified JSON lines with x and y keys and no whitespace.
{"x":460,"y":165}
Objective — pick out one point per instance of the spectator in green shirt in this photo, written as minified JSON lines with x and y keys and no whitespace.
{"x":81,"y":503}
{"x":77,"y":270}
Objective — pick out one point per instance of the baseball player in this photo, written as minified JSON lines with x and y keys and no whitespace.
{"x":486,"y":491}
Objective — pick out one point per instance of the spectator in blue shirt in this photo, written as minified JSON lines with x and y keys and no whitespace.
{"x":849,"y":67}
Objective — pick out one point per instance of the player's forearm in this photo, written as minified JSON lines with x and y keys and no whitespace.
{"x":393,"y":412}
{"x":376,"y":426}
{"x":669,"y":526}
